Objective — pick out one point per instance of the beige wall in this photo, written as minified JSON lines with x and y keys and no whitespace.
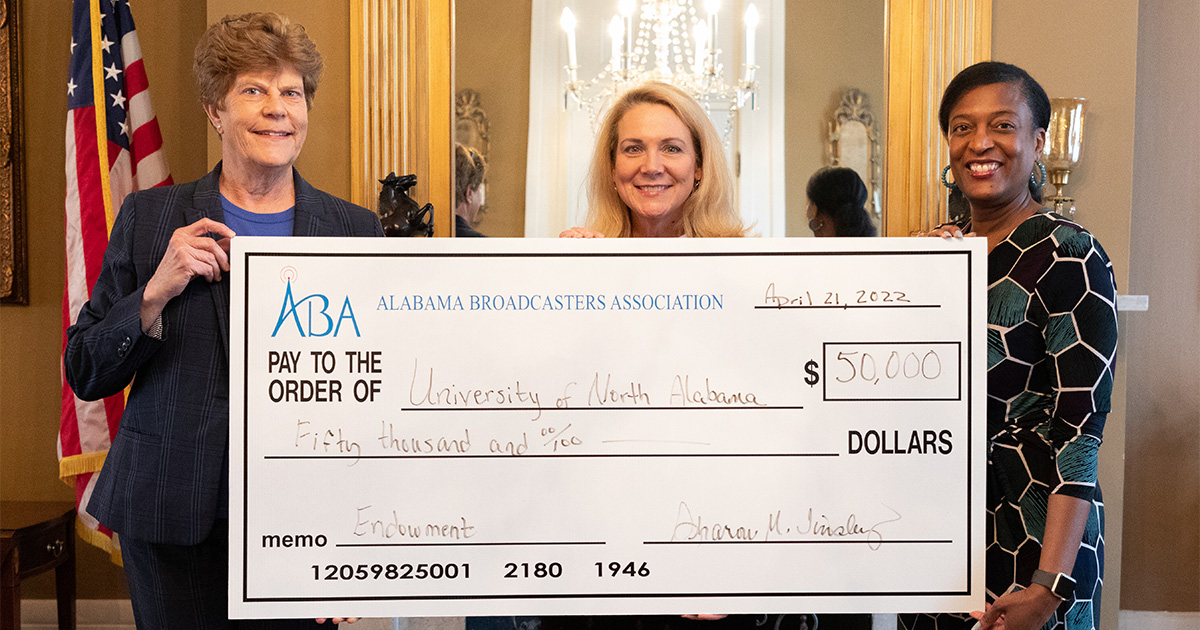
{"x":1100,"y":64}
{"x":31,"y":336}
{"x":831,"y":47}
{"x":491,"y":56}
{"x":325,"y":160}
{"x":1162,"y":472}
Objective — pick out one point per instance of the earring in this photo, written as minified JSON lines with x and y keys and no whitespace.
{"x":1042,"y":168}
{"x":948,"y":184}
{"x":696,"y":185}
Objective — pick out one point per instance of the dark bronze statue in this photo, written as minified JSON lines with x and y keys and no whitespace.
{"x":399,"y":214}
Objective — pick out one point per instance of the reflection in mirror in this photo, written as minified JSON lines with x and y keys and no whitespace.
{"x":854,"y":145}
{"x":822,"y":48}
{"x":471,"y":127}
{"x":832,"y":46}
{"x":492,"y":60}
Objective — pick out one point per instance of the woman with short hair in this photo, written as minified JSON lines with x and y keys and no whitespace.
{"x":469,"y":170}
{"x":160,"y":310}
{"x":1052,"y":339}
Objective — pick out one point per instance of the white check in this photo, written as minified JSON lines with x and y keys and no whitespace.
{"x":508,"y":426}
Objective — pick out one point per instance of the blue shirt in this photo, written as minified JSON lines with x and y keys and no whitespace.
{"x":246,"y":223}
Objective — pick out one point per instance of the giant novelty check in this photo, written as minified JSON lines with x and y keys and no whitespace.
{"x":510,"y":426}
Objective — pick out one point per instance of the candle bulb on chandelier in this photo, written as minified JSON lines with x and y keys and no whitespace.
{"x":712,"y":6}
{"x":751,"y":25}
{"x":615,"y":29}
{"x":567,"y":21}
{"x":625,"y":8}
{"x":701,"y":35}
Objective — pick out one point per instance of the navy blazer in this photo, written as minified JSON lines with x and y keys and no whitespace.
{"x":161,"y":480}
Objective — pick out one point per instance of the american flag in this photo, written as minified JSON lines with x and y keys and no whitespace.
{"x":114,"y":147}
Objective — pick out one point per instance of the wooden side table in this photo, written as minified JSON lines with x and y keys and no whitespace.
{"x":38,"y":536}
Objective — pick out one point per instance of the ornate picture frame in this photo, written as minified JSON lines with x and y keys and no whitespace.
{"x":14,"y":253}
{"x":471,"y":124}
{"x":853,"y":144}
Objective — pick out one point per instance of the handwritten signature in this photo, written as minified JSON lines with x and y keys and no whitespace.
{"x":691,"y":526}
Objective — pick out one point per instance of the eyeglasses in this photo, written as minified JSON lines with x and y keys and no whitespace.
{"x":816,"y":224}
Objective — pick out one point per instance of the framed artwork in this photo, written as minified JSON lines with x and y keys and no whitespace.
{"x":471,"y":125}
{"x":14,"y":254}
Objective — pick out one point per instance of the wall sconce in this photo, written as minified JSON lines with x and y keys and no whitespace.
{"x":1064,"y":139}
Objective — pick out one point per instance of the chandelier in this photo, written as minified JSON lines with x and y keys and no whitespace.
{"x":671,"y":44}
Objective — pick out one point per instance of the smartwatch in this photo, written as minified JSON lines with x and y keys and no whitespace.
{"x":1061,"y":584}
{"x":156,"y":328}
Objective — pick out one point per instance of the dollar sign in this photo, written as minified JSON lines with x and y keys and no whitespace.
{"x":811,"y":369}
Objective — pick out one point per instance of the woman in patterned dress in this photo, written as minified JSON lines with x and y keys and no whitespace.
{"x":1052,"y":336}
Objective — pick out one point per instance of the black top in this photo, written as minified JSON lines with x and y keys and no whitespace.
{"x":462,"y":228}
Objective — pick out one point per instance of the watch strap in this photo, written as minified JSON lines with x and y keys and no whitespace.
{"x":1061,"y":584}
{"x":156,"y":328}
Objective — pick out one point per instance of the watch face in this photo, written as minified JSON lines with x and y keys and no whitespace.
{"x":1064,"y":586}
{"x":1060,"y":584}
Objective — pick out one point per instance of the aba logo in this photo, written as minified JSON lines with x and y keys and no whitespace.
{"x":310,"y":314}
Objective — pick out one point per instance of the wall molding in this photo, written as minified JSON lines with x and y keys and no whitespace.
{"x":117,"y":614}
{"x":1158,"y":620}
{"x":90,"y":614}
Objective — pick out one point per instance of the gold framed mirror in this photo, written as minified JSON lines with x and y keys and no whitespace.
{"x":402,"y":98}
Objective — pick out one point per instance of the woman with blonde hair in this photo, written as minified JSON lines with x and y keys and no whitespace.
{"x":659,"y":170}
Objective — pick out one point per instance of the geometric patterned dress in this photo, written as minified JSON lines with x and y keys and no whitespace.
{"x":1052,"y":337}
